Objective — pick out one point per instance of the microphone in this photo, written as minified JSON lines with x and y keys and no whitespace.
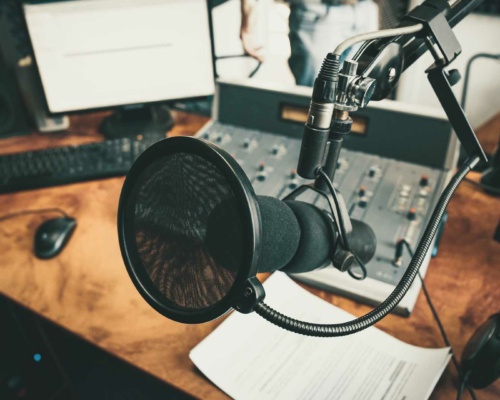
{"x":194,"y":235}
{"x":297,"y":237}
{"x":317,"y":127}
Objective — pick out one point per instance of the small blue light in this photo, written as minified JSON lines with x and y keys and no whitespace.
{"x":37,"y":357}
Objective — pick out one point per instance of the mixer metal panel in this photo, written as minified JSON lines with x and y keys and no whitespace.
{"x":394,"y":196}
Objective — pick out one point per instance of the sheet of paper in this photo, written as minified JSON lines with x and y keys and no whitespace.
{"x":250,"y":358}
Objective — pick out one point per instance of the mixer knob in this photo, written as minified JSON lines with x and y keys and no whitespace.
{"x":293,"y":184}
{"x":412,"y":214}
{"x":246,"y":143}
{"x":206,"y":136}
{"x":218,"y":138}
{"x":278,"y":150}
{"x":372,"y":172}
{"x":361,"y":191}
{"x":261,"y":177}
{"x":342,"y":163}
{"x":424,"y":180}
{"x":362,"y":203}
{"x":293,"y":174}
{"x":262,"y":166}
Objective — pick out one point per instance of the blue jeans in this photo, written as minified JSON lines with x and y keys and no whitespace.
{"x":316,"y":30}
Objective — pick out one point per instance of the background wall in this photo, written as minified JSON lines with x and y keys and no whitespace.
{"x":477,"y":33}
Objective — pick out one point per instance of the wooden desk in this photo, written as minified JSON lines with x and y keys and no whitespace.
{"x":87,"y":291}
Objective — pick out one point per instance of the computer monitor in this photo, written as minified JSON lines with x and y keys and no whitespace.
{"x":94,"y":54}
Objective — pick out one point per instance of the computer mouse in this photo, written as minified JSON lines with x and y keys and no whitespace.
{"x":52,"y":235}
{"x":481,"y":356}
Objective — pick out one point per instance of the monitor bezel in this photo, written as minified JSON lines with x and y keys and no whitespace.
{"x":115,"y":106}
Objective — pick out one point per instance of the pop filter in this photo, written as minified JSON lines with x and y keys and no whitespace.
{"x":166,"y":202}
{"x":174,"y":198}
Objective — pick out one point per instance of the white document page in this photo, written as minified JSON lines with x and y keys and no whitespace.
{"x":250,"y":358}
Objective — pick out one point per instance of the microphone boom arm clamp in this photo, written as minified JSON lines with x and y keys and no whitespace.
{"x":378,"y":68}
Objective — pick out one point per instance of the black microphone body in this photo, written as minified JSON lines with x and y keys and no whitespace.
{"x":317,"y":127}
{"x":297,"y":237}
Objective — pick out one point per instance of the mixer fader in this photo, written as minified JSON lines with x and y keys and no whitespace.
{"x":388,"y":190}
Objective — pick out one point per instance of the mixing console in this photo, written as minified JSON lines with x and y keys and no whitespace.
{"x":395,"y":197}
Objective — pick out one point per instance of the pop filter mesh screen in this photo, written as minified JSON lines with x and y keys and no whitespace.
{"x":175,"y":197}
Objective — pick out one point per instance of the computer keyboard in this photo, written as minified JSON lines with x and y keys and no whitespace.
{"x":201,"y":107}
{"x":69,"y":164}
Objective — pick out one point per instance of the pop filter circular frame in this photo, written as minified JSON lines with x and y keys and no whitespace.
{"x":227,"y":169}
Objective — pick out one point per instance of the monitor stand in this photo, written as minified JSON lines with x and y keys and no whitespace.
{"x":144,"y":119}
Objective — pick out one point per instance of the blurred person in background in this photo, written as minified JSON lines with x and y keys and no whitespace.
{"x":316,"y":28}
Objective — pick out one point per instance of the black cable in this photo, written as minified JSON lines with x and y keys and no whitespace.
{"x":467,"y":73}
{"x":369,"y":319}
{"x":462,"y":387}
{"x":465,"y":89}
{"x":343,"y":231}
{"x":362,"y":266}
{"x":462,"y":377}
{"x":253,"y":72}
{"x":487,"y":188}
{"x":37,"y":211}
{"x":460,"y":390}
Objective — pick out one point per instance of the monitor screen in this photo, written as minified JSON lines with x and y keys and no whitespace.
{"x":103,"y":53}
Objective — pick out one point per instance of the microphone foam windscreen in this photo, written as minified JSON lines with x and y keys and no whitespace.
{"x":281,"y":234}
{"x":317,"y":238}
{"x":363,"y":240}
